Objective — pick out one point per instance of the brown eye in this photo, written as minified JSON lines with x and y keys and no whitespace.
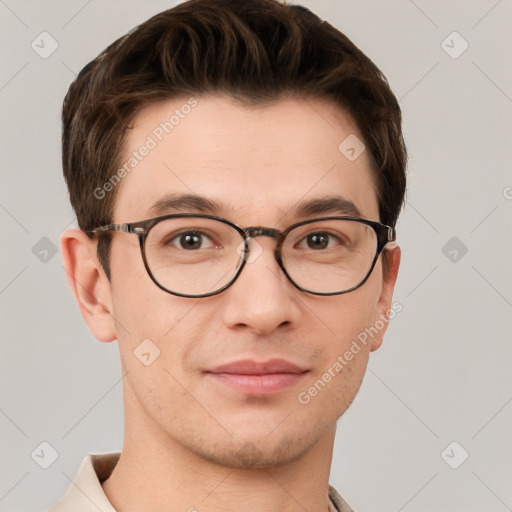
{"x":318,"y":241}
{"x":190,"y":240}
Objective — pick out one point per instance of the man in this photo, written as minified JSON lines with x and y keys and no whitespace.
{"x":237,"y":170}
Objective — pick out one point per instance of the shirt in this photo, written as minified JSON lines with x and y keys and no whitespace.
{"x":85,"y":494}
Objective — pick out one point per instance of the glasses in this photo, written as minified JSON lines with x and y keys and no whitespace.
{"x":195,"y":255}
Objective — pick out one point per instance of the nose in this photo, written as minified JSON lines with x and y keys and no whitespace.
{"x":261,"y":299}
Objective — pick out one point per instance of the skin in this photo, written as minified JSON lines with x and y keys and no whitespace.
{"x":188,"y":442}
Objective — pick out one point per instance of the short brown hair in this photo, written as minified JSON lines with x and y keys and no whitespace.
{"x":256,"y":51}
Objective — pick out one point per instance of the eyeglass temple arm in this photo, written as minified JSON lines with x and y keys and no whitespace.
{"x":387,"y":238}
{"x":125,"y":228}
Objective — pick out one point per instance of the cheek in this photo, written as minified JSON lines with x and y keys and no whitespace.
{"x":330,"y":391}
{"x":138,"y":302}
{"x":346,"y":344}
{"x":141,"y":310}
{"x":347,"y":316}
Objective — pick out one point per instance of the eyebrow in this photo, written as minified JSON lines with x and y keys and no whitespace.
{"x":333,"y":204}
{"x":186,"y":203}
{"x":172,"y":203}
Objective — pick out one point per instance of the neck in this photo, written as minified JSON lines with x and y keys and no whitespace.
{"x":158,"y":474}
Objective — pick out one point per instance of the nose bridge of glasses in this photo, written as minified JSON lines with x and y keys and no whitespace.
{"x":258,"y":231}
{"x":255,"y":231}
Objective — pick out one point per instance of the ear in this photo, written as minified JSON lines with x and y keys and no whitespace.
{"x":384,"y":310}
{"x":88,"y":282}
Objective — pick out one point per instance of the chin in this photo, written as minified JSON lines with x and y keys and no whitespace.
{"x":252,"y":451}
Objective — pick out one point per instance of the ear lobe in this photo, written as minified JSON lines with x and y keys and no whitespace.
{"x":88,"y":282}
{"x":384,"y":304}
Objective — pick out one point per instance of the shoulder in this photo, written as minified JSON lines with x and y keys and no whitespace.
{"x":340,"y":504}
{"x":85,"y":494}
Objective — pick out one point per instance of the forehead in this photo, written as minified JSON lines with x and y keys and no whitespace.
{"x":252,"y":162}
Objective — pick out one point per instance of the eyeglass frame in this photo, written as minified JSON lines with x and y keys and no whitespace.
{"x":385,"y":234}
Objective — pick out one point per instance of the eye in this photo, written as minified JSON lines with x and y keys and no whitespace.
{"x":321,"y":240}
{"x":190,"y":240}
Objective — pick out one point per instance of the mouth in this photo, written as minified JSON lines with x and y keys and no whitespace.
{"x":258,"y":378}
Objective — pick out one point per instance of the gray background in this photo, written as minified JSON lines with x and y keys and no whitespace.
{"x":443,"y":373}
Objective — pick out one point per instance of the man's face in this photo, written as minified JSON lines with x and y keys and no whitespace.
{"x":259,"y":163}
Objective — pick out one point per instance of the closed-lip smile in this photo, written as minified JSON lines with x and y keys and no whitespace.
{"x":259,"y":378}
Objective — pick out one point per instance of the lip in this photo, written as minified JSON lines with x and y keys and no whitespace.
{"x":250,"y":367}
{"x":258,"y":378}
